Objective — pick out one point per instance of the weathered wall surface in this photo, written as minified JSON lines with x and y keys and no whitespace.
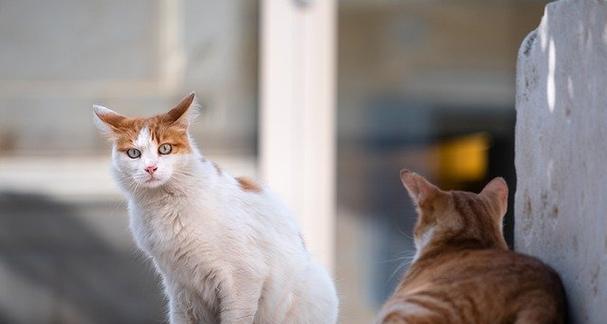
{"x":561,"y":151}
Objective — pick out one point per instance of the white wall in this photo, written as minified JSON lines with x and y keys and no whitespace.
{"x":561,"y":151}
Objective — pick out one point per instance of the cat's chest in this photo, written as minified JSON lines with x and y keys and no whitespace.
{"x":163,"y":228}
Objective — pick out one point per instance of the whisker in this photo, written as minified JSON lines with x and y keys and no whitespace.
{"x":400,"y":267}
{"x":405,"y":234}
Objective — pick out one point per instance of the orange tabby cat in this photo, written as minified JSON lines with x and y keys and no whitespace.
{"x":463,"y":271}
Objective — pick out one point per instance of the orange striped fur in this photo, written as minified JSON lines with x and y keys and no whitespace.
{"x":464,"y":271}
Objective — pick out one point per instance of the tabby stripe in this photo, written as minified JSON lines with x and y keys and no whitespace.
{"x":443,"y":298}
{"x":433,"y":307}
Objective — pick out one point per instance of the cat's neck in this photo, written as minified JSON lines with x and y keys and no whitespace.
{"x":439,"y":249}
{"x":442,"y":246}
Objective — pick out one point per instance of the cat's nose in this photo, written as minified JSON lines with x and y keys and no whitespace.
{"x":151,"y":169}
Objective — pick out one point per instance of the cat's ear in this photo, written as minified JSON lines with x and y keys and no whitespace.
{"x":107,"y":120}
{"x":184,"y":112}
{"x":497,"y":191}
{"x":420,"y":189}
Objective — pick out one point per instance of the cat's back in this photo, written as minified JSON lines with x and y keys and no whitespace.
{"x":486,"y":266}
{"x":478,"y":286}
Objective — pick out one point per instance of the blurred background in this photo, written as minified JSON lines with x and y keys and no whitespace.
{"x":427,"y":85}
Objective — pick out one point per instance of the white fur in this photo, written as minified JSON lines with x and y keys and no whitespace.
{"x":225,"y":255}
{"x":422,"y":242}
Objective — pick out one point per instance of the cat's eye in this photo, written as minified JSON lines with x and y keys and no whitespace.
{"x":133,"y":153}
{"x":165,"y":148}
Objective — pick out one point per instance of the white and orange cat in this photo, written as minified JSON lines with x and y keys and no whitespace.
{"x":227,"y":249}
{"x":463,"y":271}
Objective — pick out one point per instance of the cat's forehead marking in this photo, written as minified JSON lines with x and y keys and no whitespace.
{"x":144,"y":137}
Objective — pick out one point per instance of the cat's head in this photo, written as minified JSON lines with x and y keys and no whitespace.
{"x":457,"y":218}
{"x":149,"y":152}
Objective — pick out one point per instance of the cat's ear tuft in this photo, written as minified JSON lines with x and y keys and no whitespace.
{"x":418,"y":187}
{"x":185,"y":111}
{"x":107,"y":120}
{"x":497,"y":190}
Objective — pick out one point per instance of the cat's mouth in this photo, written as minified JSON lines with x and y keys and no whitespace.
{"x":151,"y":179}
{"x":152,"y":182}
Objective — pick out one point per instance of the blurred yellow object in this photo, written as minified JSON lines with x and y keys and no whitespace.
{"x":464,"y":158}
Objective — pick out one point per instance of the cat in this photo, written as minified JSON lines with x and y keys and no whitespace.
{"x":463,"y":271}
{"x":227,"y":249}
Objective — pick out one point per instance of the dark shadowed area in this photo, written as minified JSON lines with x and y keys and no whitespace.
{"x":59,"y":269}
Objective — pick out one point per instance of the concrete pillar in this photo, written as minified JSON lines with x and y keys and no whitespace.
{"x":561,"y":151}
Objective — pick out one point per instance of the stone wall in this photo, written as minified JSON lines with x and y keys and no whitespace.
{"x":561,"y":151}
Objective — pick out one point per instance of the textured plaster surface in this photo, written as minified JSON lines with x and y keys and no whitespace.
{"x":561,"y":151}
